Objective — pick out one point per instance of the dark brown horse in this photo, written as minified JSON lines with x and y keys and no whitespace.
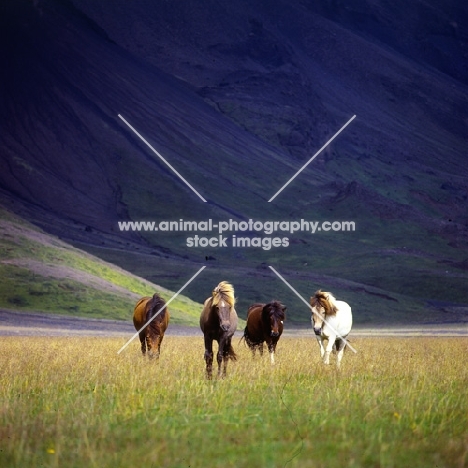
{"x":218,"y":321}
{"x":264,"y":324}
{"x":152,"y":312}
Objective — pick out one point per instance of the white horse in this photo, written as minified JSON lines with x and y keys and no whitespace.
{"x":332,"y":321}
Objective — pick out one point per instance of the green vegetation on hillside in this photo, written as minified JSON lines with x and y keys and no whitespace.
{"x":43,"y":274}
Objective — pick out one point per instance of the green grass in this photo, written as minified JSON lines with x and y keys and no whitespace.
{"x":79,"y":284}
{"x":21,"y":289}
{"x":76,"y":403}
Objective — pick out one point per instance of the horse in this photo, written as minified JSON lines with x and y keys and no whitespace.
{"x":218,"y":321}
{"x":152,"y":335}
{"x":332,"y":321}
{"x":264,"y":324}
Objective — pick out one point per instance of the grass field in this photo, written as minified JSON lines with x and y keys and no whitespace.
{"x":76,"y":403}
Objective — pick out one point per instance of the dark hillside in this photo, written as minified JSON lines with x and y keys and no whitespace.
{"x":238,"y":96}
{"x":429,"y":33}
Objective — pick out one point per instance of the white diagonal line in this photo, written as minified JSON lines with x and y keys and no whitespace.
{"x":308,"y":305}
{"x":161,"y":157}
{"x":312,"y":158}
{"x":161,"y":309}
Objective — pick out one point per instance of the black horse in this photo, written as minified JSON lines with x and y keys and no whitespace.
{"x":264,"y":324}
{"x":218,"y":321}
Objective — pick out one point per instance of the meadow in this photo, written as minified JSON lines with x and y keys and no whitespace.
{"x":75,"y":402}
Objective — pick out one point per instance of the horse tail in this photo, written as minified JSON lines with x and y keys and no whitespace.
{"x":244,"y":336}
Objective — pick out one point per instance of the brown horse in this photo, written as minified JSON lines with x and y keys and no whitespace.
{"x":152,"y":312}
{"x":218,"y":321}
{"x":264,"y":324}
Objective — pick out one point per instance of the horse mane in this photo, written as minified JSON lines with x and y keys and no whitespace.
{"x":326,"y":300}
{"x":224,"y":291}
{"x":277,"y":309}
{"x":155,"y":304}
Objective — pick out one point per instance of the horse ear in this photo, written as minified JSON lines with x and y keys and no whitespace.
{"x":284,"y":308}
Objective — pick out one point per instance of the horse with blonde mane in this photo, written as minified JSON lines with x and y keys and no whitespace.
{"x":332,"y":321}
{"x":218,"y":321}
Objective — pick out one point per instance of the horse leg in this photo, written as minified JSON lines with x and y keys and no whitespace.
{"x":328,"y":349}
{"x":252,"y":346}
{"x":271,"y":349}
{"x":340,"y":346}
{"x":142,"y":337}
{"x":209,"y":357}
{"x":221,"y":356}
{"x":227,"y":347}
{"x":149,"y":347}
{"x":260,"y":349}
{"x":320,"y":342}
{"x":159,"y":345}
{"x":154,"y":347}
{"x":255,"y":347}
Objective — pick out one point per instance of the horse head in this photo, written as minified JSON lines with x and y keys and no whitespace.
{"x":223,"y":301}
{"x":153,"y":343}
{"x":224,"y":314}
{"x":322,"y":305}
{"x":274,"y":315}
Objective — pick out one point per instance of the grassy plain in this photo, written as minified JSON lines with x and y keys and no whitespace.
{"x":74,"y":402}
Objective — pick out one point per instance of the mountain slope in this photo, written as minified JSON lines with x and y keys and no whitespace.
{"x":238,"y":97}
{"x":41,"y":273}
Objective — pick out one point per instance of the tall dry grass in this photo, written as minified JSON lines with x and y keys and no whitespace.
{"x":74,"y":402}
